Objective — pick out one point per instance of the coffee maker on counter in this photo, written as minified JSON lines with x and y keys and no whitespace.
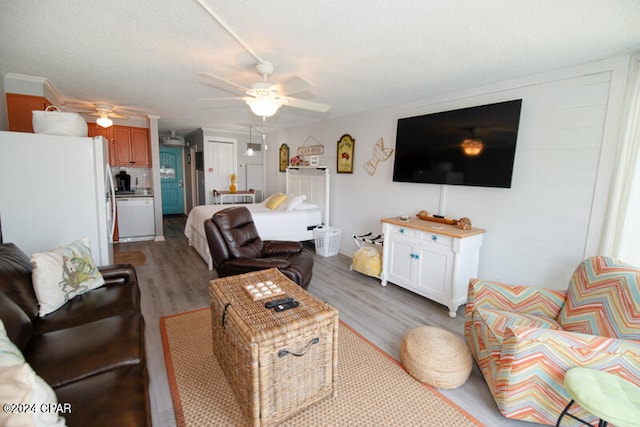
{"x":123,"y":182}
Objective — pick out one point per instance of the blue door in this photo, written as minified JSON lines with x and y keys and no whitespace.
{"x":172,"y":180}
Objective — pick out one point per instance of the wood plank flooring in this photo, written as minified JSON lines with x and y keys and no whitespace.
{"x":175,"y":279}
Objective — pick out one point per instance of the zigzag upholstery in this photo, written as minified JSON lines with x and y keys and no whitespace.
{"x":518,"y":336}
{"x":599,"y":289}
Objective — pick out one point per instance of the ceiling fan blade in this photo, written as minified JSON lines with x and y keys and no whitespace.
{"x":110,"y":114}
{"x":212,"y":79}
{"x":294,"y":85}
{"x":214,"y":102}
{"x":306,"y":105}
{"x":230,"y":98}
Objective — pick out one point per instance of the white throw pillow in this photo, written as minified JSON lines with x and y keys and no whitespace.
{"x":27,"y":399}
{"x":62,"y":274}
{"x":10,"y":355}
{"x":305,"y":206}
{"x":292,"y":202}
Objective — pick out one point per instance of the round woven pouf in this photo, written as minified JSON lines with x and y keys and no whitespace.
{"x":436,"y":357}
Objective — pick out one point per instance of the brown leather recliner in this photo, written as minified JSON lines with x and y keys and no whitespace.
{"x":236,"y":248}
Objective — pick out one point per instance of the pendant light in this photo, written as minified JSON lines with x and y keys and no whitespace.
{"x":251,"y":147}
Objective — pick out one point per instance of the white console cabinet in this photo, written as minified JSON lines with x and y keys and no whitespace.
{"x":431,"y":259}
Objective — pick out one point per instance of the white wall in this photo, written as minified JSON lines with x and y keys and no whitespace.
{"x":540,"y":228}
{"x":242,"y":162}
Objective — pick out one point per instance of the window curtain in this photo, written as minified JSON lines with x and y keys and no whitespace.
{"x":621,"y":238}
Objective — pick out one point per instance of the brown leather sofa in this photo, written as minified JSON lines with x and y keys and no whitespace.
{"x":90,"y":351}
{"x":236,"y":248}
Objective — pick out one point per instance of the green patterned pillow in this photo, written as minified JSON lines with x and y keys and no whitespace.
{"x":62,"y":274}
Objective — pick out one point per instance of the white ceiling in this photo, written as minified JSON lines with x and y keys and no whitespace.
{"x":143,"y":55}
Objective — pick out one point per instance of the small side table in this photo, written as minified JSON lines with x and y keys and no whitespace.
{"x":219,"y":196}
{"x":607,"y":396}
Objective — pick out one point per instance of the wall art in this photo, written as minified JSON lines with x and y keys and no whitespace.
{"x":346,"y":148}
{"x":284,"y":157}
{"x":380,"y":154}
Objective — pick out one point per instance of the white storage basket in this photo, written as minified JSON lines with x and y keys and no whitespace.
{"x":327,"y":240}
{"x":58,"y":123}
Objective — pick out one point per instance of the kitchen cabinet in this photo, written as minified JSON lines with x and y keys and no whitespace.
{"x":95,"y":130}
{"x":431,"y":259}
{"x":128,"y":146}
{"x":19,"y":110}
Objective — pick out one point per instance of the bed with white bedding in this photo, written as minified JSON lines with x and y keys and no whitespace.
{"x":284,"y":223}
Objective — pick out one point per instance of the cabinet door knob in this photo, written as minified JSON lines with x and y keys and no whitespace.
{"x":434,"y":238}
{"x":402,"y":231}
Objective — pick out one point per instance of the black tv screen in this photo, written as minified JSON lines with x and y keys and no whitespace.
{"x":470,"y":146}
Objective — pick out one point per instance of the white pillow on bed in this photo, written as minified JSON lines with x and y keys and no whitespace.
{"x":292,"y":202}
{"x":305,"y":206}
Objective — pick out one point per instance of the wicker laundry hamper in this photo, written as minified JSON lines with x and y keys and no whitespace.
{"x":436,"y":357}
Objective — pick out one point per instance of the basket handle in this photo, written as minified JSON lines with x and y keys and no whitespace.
{"x":283,"y":353}
{"x":224,"y":313}
{"x":52,"y":106}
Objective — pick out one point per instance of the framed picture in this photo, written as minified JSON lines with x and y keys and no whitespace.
{"x":284,"y":157}
{"x":345,"y":151}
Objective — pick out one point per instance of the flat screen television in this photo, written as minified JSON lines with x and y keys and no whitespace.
{"x":471,"y":146}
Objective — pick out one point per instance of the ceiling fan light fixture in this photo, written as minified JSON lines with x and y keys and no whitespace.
{"x":263,"y":107}
{"x":104,"y":121}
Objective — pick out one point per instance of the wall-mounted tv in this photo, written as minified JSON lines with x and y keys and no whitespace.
{"x":470,"y":146}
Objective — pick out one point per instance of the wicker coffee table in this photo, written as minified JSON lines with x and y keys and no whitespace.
{"x":277,"y":363}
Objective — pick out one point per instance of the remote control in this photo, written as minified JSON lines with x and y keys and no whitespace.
{"x":275,"y":302}
{"x":286,"y":306}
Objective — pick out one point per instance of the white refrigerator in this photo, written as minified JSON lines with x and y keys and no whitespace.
{"x":55,"y":190}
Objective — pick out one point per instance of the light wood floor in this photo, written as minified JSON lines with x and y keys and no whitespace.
{"x":174,"y":279}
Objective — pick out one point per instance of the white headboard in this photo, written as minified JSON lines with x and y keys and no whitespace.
{"x":312,"y":182}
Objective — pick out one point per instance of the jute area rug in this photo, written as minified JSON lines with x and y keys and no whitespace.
{"x":135,"y":258}
{"x":373,"y":388}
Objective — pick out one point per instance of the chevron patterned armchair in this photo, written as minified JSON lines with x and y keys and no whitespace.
{"x":524,"y":339}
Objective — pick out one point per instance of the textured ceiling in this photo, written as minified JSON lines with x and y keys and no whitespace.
{"x":144,"y":55}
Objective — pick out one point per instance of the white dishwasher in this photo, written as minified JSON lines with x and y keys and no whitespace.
{"x":136,"y":219}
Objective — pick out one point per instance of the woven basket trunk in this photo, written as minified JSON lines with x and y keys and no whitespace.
{"x":255,"y":347}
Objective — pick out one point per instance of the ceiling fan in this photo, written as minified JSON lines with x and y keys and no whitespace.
{"x":263,"y":99}
{"x":105,"y":113}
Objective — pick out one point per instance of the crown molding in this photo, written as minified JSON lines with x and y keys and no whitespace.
{"x":42,"y":83}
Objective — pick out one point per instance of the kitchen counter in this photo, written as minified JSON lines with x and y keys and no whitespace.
{"x":136,"y":193}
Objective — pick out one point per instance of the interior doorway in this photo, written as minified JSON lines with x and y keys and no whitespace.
{"x":172,"y":180}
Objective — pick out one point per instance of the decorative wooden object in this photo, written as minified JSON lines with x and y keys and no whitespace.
{"x":284,"y":158}
{"x":263,"y":290}
{"x":463,"y":223}
{"x":380,"y":154}
{"x":346,"y":148}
